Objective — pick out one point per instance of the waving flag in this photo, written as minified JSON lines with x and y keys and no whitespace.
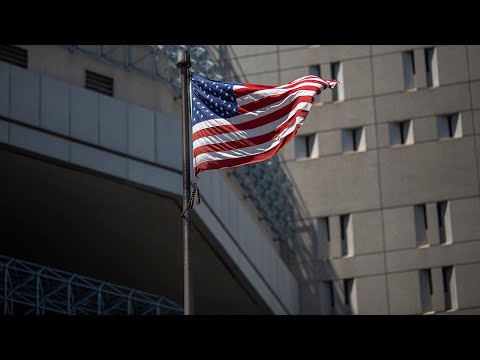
{"x":240,"y":123}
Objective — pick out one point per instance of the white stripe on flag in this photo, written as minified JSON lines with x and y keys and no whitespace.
{"x":247,"y":151}
{"x":243,"y":118}
{"x":245,"y":134}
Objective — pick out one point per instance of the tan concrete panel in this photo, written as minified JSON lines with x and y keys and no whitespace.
{"x":388,"y":73}
{"x":371,"y":295}
{"x":404,"y":293}
{"x":474,"y":61}
{"x":465,"y":215}
{"x":340,"y":115}
{"x":441,"y":100}
{"x":338,"y":184}
{"x":452,"y":64}
{"x":435,"y":256}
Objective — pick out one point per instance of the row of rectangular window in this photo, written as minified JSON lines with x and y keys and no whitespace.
{"x":426,"y":287}
{"x":421,"y":226}
{"x":409,"y":72}
{"x":449,"y":289}
{"x":336,"y":71}
{"x":348,"y":303}
{"x":449,"y":126}
{"x":444,"y":223}
{"x":431,"y":68}
{"x":346,"y":233}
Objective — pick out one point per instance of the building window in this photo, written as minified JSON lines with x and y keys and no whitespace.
{"x":99,"y":83}
{"x":421,"y":224}
{"x":401,"y":132}
{"x":449,"y":126}
{"x":431,"y":66}
{"x":306,"y":146}
{"x":328,"y":297}
{"x":323,"y":229}
{"x":314,"y":70}
{"x":349,"y":295}
{"x":332,"y":294}
{"x":353,"y":139}
{"x":14,"y":55}
{"x":327,"y":229}
{"x":449,"y":288}
{"x":444,"y":222}
{"x":409,"y":70}
{"x":348,"y":284}
{"x":322,"y":237}
{"x":426,"y":290}
{"x":346,"y":235}
{"x":337,"y":74}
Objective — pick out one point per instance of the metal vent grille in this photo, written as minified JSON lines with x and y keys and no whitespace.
{"x":100,"y":83}
{"x":14,"y":55}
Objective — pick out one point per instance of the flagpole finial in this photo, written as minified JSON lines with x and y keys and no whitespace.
{"x":183,"y":59}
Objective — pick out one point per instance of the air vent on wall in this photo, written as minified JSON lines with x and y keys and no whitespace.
{"x":100,"y":83}
{"x":14,"y":55}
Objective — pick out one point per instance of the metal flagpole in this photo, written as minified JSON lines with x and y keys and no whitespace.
{"x":183,"y":62}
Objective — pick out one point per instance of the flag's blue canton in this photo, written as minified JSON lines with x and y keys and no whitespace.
{"x":212,"y":99}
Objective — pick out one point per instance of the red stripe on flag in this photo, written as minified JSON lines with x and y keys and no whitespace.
{"x":272,"y":99}
{"x":251,"y":88}
{"x":252,"y":141}
{"x":226,"y":163}
{"x":223,"y":129}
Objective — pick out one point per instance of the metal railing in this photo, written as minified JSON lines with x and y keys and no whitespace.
{"x":28,"y":288}
{"x":155,"y":61}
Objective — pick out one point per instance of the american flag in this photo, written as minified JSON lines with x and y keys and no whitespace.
{"x":241,"y":123}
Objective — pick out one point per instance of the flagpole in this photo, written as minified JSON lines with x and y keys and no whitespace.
{"x":183,"y":62}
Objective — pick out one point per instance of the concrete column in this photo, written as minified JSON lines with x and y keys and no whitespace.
{"x":420,"y":69}
{"x":322,"y":240}
{"x":339,"y":301}
{"x":438,"y":296}
{"x":334,"y":248}
{"x":326,"y":71}
{"x":433,"y":236}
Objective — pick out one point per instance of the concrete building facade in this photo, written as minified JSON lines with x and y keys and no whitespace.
{"x":91,"y":164}
{"x":388,"y":167}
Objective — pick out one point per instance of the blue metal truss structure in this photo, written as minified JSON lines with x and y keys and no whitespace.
{"x":267,"y":186}
{"x":28,"y":288}
{"x":266,"y":183}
